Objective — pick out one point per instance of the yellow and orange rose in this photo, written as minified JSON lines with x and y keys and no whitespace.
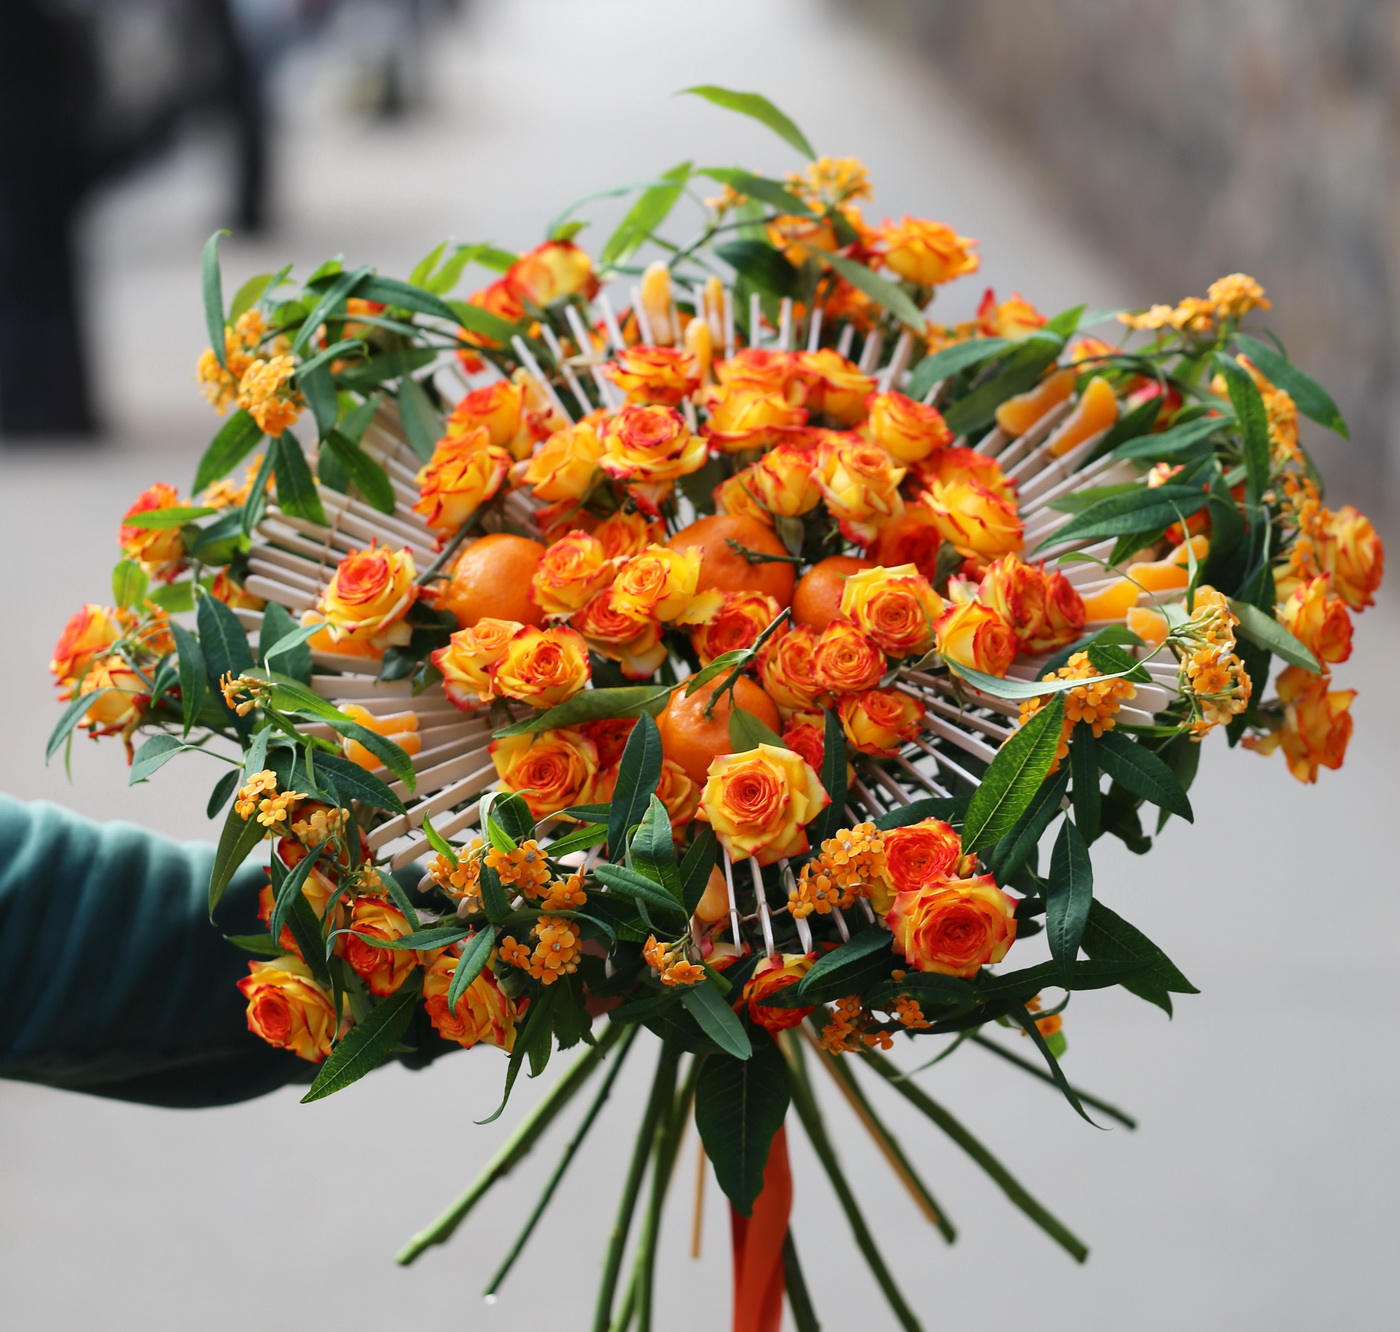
{"x":661,"y":375}
{"x":759,"y":802}
{"x":464,"y":472}
{"x":846,"y":661}
{"x":927,"y":253}
{"x":955,"y":927}
{"x":896,"y":608}
{"x":906,"y":429}
{"x":573,"y":570}
{"x":647,"y":448}
{"x":542,"y":667}
{"x":160,"y":551}
{"x":550,"y":769}
{"x":368,"y":597}
{"x":484,"y":1012}
{"x":565,"y":465}
{"x":974,"y":635}
{"x":288,"y":1008}
{"x":770,"y":976}
{"x":467,"y":660}
{"x":879,"y":721}
{"x":1318,"y":619}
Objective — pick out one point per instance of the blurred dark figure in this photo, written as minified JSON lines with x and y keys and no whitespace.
{"x":89,"y":89}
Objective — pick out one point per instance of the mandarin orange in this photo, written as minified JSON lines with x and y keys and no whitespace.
{"x":817,"y":600}
{"x":723,"y":567}
{"x":491,"y":580}
{"x":692,"y":739}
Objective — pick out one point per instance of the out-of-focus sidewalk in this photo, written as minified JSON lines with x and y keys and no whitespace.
{"x":1256,"y":1193}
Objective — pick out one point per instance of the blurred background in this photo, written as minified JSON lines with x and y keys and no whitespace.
{"x":1117,"y":152}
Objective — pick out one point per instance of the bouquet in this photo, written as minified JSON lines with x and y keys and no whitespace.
{"x":702,"y":635}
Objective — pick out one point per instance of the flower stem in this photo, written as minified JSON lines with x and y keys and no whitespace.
{"x":516,"y":1147}
{"x":804,"y":1315}
{"x":668,"y":1148}
{"x":564,"y":1162}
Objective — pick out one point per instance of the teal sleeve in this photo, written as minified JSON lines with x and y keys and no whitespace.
{"x":112,"y":979}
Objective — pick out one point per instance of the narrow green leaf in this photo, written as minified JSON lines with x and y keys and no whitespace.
{"x":193,"y":674}
{"x":289,"y":889}
{"x":421,"y":422}
{"x":223,"y":640}
{"x":1069,"y":892}
{"x":154,"y":753}
{"x":1176,"y":441}
{"x":292,"y":660}
{"x":439,"y":936}
{"x":1015,"y":690}
{"x":1084,"y":777}
{"x":654,"y":851}
{"x":1137,"y":769}
{"x":261,"y":945}
{"x":740,"y":1104}
{"x":747,"y":732}
{"x":1109,"y":937}
{"x":960,"y":356}
{"x":237,"y":438}
{"x":767,"y":268}
{"x":1033,"y":355}
{"x":237,"y":840}
{"x":213,"y":296}
{"x":638,"y":776}
{"x":758,"y":187}
{"x":649,"y":212}
{"x":593,"y":705}
{"x":1143,"y":510}
{"x":927,"y":988}
{"x":833,"y":779}
{"x":436,"y":840}
{"x":223,"y":792}
{"x":284,"y":649}
{"x":629,"y":883}
{"x":296,"y":487}
{"x":370,"y":479}
{"x":1308,"y":395}
{"x":849,"y":968}
{"x":589,"y":835}
{"x":697,"y":867}
{"x":391,"y":291}
{"x":174,"y":598}
{"x":1013,"y":778}
{"x":354,"y":783}
{"x":470,"y":965}
{"x":880,"y":290}
{"x":158,"y":520}
{"x":757,"y":107}
{"x":951,"y":809}
{"x":1263,"y":630}
{"x":129,"y":583}
{"x":366,"y":1045}
{"x":326,"y":305}
{"x":1026,"y":1021}
{"x":1253,"y":425}
{"x":248,"y":295}
{"x":1009,"y":854}
{"x":717,"y":1020}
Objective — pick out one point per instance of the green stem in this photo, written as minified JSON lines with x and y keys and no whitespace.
{"x":564,"y":1162}
{"x":516,"y":1147}
{"x":667,"y":1150}
{"x":806,"y":1106}
{"x":1053,"y":1227}
{"x":1111,"y":1110}
{"x":661,"y":1089}
{"x":799,"y":1299}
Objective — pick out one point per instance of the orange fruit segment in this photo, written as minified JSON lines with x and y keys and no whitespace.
{"x":491,"y":580}
{"x":714,"y":901}
{"x":400,"y":727}
{"x":724,"y":568}
{"x":692,"y":739}
{"x":1017,"y":415}
{"x":1096,"y":410}
{"x":817,"y":599}
{"x":1148,"y":624}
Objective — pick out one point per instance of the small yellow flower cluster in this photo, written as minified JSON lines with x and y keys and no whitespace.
{"x":832,"y":180}
{"x":461,"y":881}
{"x":671,"y":962}
{"x":266,"y":394}
{"x":260,"y":794}
{"x":910,"y":1014}
{"x":252,"y":691}
{"x":225,"y":494}
{"x":241,"y":342}
{"x":849,"y":1028}
{"x":844,"y":869}
{"x":557,"y":947}
{"x":524,"y":868}
{"x":566,"y":894}
{"x":258,"y":785}
{"x":320,"y":826}
{"x":1097,"y":704}
{"x":1212,"y":677}
{"x":1230,"y":297}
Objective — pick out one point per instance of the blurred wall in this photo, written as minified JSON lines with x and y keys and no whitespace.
{"x":1196,"y":138}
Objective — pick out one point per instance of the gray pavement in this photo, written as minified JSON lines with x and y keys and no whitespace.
{"x":1257,"y":1193}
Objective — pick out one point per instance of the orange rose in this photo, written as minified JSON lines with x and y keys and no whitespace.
{"x":861,"y":485}
{"x":627,"y":532}
{"x":467,"y":660}
{"x":572,"y":570}
{"x":771,"y":975}
{"x":542,"y":667}
{"x":368,"y":596}
{"x":895,"y":608}
{"x":678,"y":793}
{"x":1017,"y":592}
{"x":735,"y":625}
{"x":975,"y":635}
{"x":1064,"y":614}
{"x":909,"y":430}
{"x":920,"y":856}
{"x":658,"y":583}
{"x":949,"y":465}
{"x":610,"y":736}
{"x":647,"y":448}
{"x":551,"y":272}
{"x":626,"y":636}
{"x":763,"y":371}
{"x":972,"y":518}
{"x":88,"y":633}
{"x":837,"y":387}
{"x":500,"y":299}
{"x":514,"y":411}
{"x":565,"y":465}
{"x":805,"y":734}
{"x":953,"y":928}
{"x":234,"y":595}
{"x":786,"y":665}
{"x":797,"y":237}
{"x":550,"y":769}
{"x":785,"y":480}
{"x":736,"y":494}
{"x":1012,"y":318}
{"x":383,"y":970}
{"x":912,"y":538}
{"x":464,"y":472}
{"x":118,"y":711}
{"x":1318,"y":619}
{"x":160,"y":551}
{"x":1317,"y":723}
{"x":743,"y":418}
{"x":288,"y":1009}
{"x":845,"y":661}
{"x":661,"y":375}
{"x":1349,"y":549}
{"x":879,"y":721}
{"x":927,"y":253}
{"x":759,"y":802}
{"x":484,"y":1011}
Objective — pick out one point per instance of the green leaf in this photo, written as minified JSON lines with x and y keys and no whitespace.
{"x":951,"y":360}
{"x":213,"y":296}
{"x":296,"y":487}
{"x":593,"y":705}
{"x":470,"y":965}
{"x":261,"y":945}
{"x":391,"y":291}
{"x":717,"y":1020}
{"x":237,"y":840}
{"x":248,"y":295}
{"x":747,"y":732}
{"x":1069,"y":893}
{"x":156,"y":520}
{"x":697,"y":866}
{"x":421,"y":423}
{"x":880,"y":290}
{"x":326,"y":305}
{"x":129,"y":583}
{"x":369,"y":477}
{"x":1143,"y":510}
{"x":223,"y":792}
{"x":638,"y":776}
{"x":223,"y":640}
{"x":1137,"y":769}
{"x":1174,"y":442}
{"x":1013,"y":778}
{"x":654,"y":851}
{"x":758,"y":108}
{"x":740,"y":1105}
{"x":1263,"y":630}
{"x":1308,"y":395}
{"x":436,"y":840}
{"x":1015,"y":690}
{"x":928,"y":988}
{"x":649,"y":212}
{"x":1109,"y":937}
{"x":1033,"y":355}
{"x":767,"y":268}
{"x":1253,"y":425}
{"x":354,"y":783}
{"x":237,"y":438}
{"x":1084,"y":778}
{"x":1009,"y":854}
{"x":153,"y":754}
{"x":274,"y":640}
{"x":290,"y":889}
{"x":951,"y":809}
{"x":590,"y":834}
{"x":638,"y":887}
{"x":438,"y":936}
{"x":173,"y":597}
{"x":848,"y":969}
{"x":1026,"y":1022}
{"x":193,"y":674}
{"x":758,"y":187}
{"x":366,"y":1045}
{"x":1139,"y":420}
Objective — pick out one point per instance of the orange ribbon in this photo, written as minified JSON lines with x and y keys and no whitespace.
{"x":758,"y":1246}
